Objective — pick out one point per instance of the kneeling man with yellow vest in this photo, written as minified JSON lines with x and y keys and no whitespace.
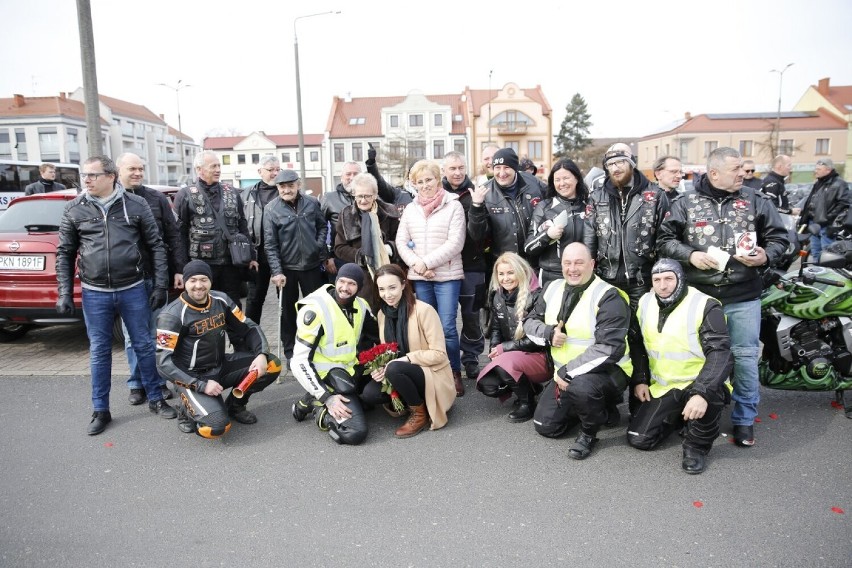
{"x":329,"y":326}
{"x":690,"y":360}
{"x":585,"y":321}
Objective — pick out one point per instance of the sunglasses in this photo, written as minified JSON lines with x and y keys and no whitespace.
{"x":749,"y":171}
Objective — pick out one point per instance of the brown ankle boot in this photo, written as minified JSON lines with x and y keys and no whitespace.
{"x":459,"y":385}
{"x":417,"y":421}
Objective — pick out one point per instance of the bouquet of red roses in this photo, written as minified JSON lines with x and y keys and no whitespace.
{"x":376,"y":358}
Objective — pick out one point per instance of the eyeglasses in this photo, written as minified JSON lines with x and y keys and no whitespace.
{"x":94,"y":175}
{"x":616,"y":164}
{"x":271,"y":170}
{"x":749,"y":171}
{"x":364,"y":197}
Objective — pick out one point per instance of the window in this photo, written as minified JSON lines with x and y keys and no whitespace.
{"x":395,"y":149}
{"x":377,"y":147}
{"x":48,"y":142}
{"x":512,"y":122}
{"x":357,"y":120}
{"x":683,"y":150}
{"x":709,"y":146}
{"x":127,"y":128}
{"x":746,"y":148}
{"x":21,"y":143}
{"x":338,"y":153}
{"x":516,"y":146}
{"x":285,"y":157}
{"x":438,"y":149}
{"x":785,"y":147}
{"x":822,"y":146}
{"x":656,"y":152}
{"x":314,"y":156}
{"x":226,"y":159}
{"x":241,"y":158}
{"x":72,"y":144}
{"x":415,"y":120}
{"x":535,"y":150}
{"x":5,"y":146}
{"x":298,"y":157}
{"x":458,"y":145}
{"x":417,"y":148}
{"x":357,"y":152}
{"x":439,"y":120}
{"x":394,"y":121}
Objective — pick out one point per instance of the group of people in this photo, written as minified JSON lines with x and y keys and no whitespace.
{"x":589,"y":291}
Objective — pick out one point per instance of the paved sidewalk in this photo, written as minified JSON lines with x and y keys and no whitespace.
{"x":63,"y":350}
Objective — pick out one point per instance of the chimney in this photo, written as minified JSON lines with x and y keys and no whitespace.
{"x":348,"y":97}
{"x":163,"y":117}
{"x":822,"y":88}
{"x":687,"y":116}
{"x":62,"y":96}
{"x":19,"y":100}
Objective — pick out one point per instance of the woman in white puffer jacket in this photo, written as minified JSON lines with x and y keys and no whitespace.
{"x":430,"y":239}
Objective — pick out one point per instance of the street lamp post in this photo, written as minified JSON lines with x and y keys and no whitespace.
{"x":180,"y":85}
{"x":299,"y":91}
{"x":778,"y":118}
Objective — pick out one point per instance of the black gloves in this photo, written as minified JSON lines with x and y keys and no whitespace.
{"x":157,"y":299}
{"x":65,"y":305}
{"x":371,"y":152}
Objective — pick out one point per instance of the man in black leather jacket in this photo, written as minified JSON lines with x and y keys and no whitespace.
{"x":197,"y":207}
{"x":622,"y":219}
{"x":107,"y":226}
{"x":773,"y":184}
{"x":723,"y":233}
{"x":502,"y":207}
{"x":826,"y":206}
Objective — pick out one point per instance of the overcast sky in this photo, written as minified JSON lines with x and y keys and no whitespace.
{"x":639,"y":64}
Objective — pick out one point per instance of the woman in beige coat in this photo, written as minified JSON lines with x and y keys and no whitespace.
{"x":421,"y":374}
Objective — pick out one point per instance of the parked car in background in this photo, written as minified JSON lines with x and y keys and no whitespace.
{"x":29,"y":236}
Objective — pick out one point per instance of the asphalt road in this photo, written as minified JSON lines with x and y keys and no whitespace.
{"x":480,"y":492}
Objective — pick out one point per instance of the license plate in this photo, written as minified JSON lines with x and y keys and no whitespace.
{"x":21,"y":262}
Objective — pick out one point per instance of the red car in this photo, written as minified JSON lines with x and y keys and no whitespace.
{"x":29,"y":235}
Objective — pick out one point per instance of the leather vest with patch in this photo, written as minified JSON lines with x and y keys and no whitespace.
{"x":206,"y":241}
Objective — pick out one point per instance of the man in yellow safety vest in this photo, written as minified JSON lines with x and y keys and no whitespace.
{"x":690,"y":360}
{"x":585,"y":323}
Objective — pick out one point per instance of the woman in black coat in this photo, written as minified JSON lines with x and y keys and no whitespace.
{"x":517,"y":364}
{"x":366,"y":231}
{"x":557,"y":220}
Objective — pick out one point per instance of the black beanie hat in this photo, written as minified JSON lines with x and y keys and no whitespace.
{"x":505,"y":157}
{"x":196,"y":267}
{"x":353,"y":272}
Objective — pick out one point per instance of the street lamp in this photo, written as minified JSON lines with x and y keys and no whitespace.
{"x":778,"y":119}
{"x":180,"y":85}
{"x":299,"y":91}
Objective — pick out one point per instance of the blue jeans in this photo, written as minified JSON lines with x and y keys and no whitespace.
{"x":135,"y":380}
{"x":744,"y":327}
{"x":444,"y":297}
{"x":818,"y":244}
{"x":99,"y":310}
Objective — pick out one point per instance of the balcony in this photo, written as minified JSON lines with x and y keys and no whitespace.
{"x":512,"y":127}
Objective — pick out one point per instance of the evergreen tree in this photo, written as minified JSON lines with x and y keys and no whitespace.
{"x":573,"y":135}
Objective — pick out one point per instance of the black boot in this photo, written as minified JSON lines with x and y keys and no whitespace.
{"x":526,"y":402}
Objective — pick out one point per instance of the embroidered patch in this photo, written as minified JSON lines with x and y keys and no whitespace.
{"x":740,"y":204}
{"x":649,"y":196}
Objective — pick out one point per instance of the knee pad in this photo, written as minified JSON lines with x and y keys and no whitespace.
{"x":273,"y":364}
{"x":213,"y":425}
{"x":341,"y":381}
{"x":640,"y":442}
{"x":351,"y":432}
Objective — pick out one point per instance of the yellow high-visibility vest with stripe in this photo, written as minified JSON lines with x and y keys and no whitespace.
{"x":338,"y":346}
{"x":675,"y":356}
{"x":580,"y":327}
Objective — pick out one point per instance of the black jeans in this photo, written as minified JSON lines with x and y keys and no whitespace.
{"x":258,"y":286}
{"x":308,"y":281}
{"x":585,"y":401}
{"x":227,"y":278}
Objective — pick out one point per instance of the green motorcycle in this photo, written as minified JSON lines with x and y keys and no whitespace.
{"x":806,"y":327}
